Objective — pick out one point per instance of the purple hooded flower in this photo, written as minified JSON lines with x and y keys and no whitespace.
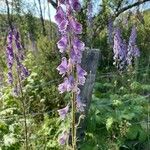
{"x":10,"y":77}
{"x":62,"y":43}
{"x":25,"y":71}
{"x":10,"y":37}
{"x":63,"y":112}
{"x":63,"y":67}
{"x":63,"y":26}
{"x":75,"y":26}
{"x":9,"y":50}
{"x":67,"y":85}
{"x":78,"y":45}
{"x":81,"y":75}
{"x":75,"y":56}
{"x":75,"y":5}
{"x":63,"y":138}
{"x":60,"y":15}
{"x":17,"y":40}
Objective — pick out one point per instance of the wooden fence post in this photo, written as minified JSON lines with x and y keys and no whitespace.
{"x":89,"y":63}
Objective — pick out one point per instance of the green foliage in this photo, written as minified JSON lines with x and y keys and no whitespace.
{"x":118,"y":114}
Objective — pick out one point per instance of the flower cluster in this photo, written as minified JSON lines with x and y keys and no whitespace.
{"x":15,"y":58}
{"x":125,"y":54}
{"x":72,"y":47}
{"x":132,"y":50}
{"x":119,"y":49}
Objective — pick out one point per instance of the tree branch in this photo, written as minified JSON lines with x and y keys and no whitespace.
{"x":130,"y":6}
{"x":54,"y":4}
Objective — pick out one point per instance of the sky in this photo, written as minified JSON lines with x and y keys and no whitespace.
{"x":45,"y":4}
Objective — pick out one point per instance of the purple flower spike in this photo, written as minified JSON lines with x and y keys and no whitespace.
{"x":63,"y":112}
{"x":60,"y":15}
{"x":63,"y":138}
{"x":81,"y":75}
{"x":63,"y":67}
{"x":133,"y":51}
{"x":75,"y":26}
{"x":62,"y":44}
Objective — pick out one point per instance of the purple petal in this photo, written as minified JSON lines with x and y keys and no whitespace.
{"x":63,"y":67}
{"x":63,"y":112}
{"x":62,"y":44}
{"x":63,"y":26}
{"x":60,"y":15}
{"x":77,"y":44}
{"x":75,"y":26}
{"x":63,"y":138}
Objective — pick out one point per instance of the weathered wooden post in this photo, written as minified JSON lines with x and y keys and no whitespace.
{"x":89,"y":63}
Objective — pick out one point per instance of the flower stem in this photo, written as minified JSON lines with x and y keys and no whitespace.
{"x":73,"y":121}
{"x":24,"y":112}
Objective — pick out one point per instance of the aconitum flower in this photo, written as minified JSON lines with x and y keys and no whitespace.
{"x":14,"y":55}
{"x":81,"y":75}
{"x":78,"y":44}
{"x":63,"y":67}
{"x":10,"y":77}
{"x":63,"y":138}
{"x":67,"y":85}
{"x":62,"y":43}
{"x":71,"y":47}
{"x":75,"y":56}
{"x":63,"y":112}
{"x":133,"y":51}
{"x":120,"y":50}
{"x":60,"y":15}
{"x":9,"y":51}
{"x":75,"y":5}
{"x":75,"y":26}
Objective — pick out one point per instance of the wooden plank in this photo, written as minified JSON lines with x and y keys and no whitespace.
{"x":89,"y":63}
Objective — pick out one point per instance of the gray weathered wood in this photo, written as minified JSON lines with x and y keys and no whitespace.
{"x":89,"y":63}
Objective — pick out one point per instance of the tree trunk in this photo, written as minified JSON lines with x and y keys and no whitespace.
{"x":42,"y":19}
{"x":8,"y":15}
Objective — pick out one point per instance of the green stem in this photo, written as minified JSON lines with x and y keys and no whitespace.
{"x":24,"y":113}
{"x":73,"y":121}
